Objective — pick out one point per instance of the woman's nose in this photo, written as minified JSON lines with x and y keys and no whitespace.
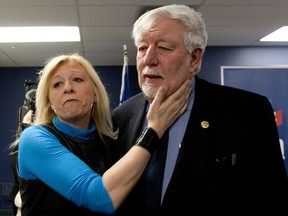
{"x":68,"y":88}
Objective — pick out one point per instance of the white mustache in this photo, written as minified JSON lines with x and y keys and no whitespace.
{"x":149,"y":71}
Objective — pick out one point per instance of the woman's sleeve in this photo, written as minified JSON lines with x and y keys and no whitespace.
{"x":41,"y":156}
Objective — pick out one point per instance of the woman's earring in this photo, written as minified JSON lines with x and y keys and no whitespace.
{"x":92,"y":109}
{"x":52,"y":107}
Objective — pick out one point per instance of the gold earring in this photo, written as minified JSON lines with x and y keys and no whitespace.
{"x":92,"y":109}
{"x":52,"y":107}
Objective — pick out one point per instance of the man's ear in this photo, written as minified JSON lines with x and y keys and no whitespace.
{"x":196,"y":59}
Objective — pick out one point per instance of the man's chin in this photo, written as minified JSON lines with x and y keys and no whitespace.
{"x":149,"y":95}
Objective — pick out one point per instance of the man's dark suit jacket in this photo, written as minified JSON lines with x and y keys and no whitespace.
{"x":232,"y":167}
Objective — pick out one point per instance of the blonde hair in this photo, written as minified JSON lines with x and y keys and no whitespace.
{"x":101,"y":113}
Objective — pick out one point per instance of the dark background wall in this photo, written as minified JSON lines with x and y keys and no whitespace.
{"x":13,"y":91}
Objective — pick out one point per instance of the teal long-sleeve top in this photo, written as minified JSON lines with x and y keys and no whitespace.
{"x":42,"y":156}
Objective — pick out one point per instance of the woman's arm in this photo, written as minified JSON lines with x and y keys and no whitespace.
{"x":72,"y":178}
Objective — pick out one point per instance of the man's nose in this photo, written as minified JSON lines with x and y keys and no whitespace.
{"x":151,"y":57}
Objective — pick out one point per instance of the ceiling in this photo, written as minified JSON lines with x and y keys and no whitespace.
{"x":105,"y":26}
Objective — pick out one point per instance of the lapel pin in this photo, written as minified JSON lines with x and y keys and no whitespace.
{"x":204,"y":124}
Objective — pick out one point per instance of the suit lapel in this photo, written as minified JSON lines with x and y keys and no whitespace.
{"x":136,"y":122}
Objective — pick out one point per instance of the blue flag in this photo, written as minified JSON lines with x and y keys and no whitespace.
{"x":125,"y":86}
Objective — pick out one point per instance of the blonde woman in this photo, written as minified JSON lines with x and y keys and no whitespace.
{"x":64,"y":158}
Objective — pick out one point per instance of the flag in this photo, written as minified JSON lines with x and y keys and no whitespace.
{"x":125,"y":86}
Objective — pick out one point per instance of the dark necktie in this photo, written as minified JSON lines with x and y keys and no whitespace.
{"x":153,"y":177}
